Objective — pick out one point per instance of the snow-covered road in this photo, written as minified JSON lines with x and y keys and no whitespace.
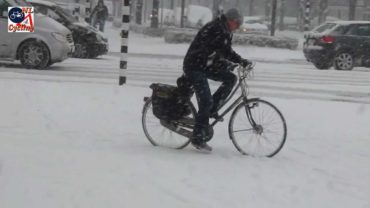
{"x":277,"y":79}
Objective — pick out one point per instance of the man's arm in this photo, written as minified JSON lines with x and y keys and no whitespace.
{"x":223,"y":47}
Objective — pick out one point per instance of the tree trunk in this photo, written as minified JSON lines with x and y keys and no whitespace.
{"x":282,"y":15}
{"x":251,"y":7}
{"x":216,"y":8}
{"x":352,"y":9}
{"x":182,"y":21}
{"x":139,"y":11}
{"x":154,"y":18}
{"x":273,"y":17}
{"x":323,"y":10}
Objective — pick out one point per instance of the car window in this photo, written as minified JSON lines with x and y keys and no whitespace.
{"x":65,"y":14}
{"x":360,"y":30}
{"x":340,"y":30}
{"x":41,"y":9}
{"x":51,"y":13}
{"x":324,"y":27}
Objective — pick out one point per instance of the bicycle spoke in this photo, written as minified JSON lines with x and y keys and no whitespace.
{"x":265,"y":139}
{"x":157,"y":133}
{"x":236,"y":131}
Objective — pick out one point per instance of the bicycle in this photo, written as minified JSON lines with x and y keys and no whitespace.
{"x":252,"y":124}
{"x":16,"y":15}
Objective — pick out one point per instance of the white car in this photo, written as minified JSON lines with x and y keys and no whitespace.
{"x":254,"y":25}
{"x":51,"y":42}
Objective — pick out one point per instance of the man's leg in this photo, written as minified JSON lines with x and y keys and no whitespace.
{"x":101,"y":25}
{"x":228,"y":80}
{"x":205,"y":101}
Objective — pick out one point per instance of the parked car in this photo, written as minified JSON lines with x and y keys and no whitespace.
{"x":89,"y":42}
{"x":51,"y":42}
{"x":344,"y":44}
{"x":254,"y":25}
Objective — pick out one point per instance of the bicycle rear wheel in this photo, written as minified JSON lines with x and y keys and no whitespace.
{"x":266,"y":138}
{"x":157,"y":133}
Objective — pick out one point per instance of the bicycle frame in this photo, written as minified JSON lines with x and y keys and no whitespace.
{"x":242,"y":84}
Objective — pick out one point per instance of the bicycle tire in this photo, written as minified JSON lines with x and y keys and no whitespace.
{"x":261,"y":111}
{"x":166,"y":137}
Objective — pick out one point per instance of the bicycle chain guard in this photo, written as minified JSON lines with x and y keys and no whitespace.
{"x":185,"y":127}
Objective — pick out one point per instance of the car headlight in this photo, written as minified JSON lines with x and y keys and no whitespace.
{"x":59,"y":37}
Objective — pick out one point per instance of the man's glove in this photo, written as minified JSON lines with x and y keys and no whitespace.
{"x":245,"y":62}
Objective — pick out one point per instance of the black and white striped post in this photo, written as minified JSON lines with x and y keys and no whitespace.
{"x":124,"y":41}
{"x":76,"y":9}
{"x":307,"y":20}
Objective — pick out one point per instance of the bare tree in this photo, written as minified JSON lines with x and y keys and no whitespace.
{"x":267,"y":9}
{"x":155,"y":12}
{"x":273,"y":17}
{"x":216,"y":8}
{"x":182,"y":21}
{"x":251,"y":8}
{"x":352,"y":9}
{"x":323,"y":10}
{"x":282,"y":15}
{"x":139,"y":11}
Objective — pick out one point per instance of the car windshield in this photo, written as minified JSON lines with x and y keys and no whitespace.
{"x":324,"y":27}
{"x":65,"y":14}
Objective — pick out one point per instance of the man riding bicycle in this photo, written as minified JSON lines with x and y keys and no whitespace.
{"x":209,"y":57}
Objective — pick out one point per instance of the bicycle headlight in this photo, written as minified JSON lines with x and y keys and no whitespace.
{"x":59,"y":37}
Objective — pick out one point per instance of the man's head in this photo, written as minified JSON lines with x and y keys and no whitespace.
{"x":234,"y":19}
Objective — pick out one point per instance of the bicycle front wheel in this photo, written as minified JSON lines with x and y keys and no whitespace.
{"x":257,"y":128}
{"x":157,"y":133}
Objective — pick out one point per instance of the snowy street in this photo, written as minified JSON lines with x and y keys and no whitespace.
{"x":71,"y":137}
{"x":294,"y":79}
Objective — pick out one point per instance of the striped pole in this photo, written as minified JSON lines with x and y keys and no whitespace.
{"x":307,"y":21}
{"x":124,"y":41}
{"x":76,"y":9}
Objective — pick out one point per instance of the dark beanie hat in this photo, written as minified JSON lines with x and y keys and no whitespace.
{"x":234,"y":14}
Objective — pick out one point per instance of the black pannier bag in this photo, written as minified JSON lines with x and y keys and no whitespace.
{"x":171,"y":102}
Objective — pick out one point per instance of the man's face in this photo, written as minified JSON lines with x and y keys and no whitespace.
{"x":233,"y":25}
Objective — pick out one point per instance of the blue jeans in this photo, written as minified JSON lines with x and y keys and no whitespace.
{"x":208,"y":103}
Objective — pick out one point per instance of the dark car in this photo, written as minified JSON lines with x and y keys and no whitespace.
{"x":342,"y":44}
{"x":89,"y":42}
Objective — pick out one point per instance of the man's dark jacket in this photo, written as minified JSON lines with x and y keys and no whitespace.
{"x":101,"y":12}
{"x":212,"y":43}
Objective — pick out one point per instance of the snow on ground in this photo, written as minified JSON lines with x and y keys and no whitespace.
{"x":70,"y":137}
{"x":80,"y":144}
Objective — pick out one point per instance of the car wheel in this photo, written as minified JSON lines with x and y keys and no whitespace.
{"x":344,"y":61}
{"x":34,"y":55}
{"x":323,"y":65}
{"x":80,"y":50}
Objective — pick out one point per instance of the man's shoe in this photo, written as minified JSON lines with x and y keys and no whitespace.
{"x":216,"y":116}
{"x":202,"y":146}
